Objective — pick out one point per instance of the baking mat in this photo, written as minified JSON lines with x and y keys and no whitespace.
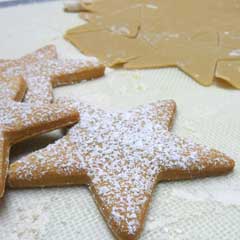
{"x":187,"y":210}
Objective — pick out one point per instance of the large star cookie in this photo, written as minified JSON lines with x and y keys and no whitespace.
{"x":41,"y":70}
{"x":121,"y":156}
{"x":153,"y":34}
{"x":19,"y":121}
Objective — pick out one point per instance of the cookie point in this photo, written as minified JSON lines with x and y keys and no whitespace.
{"x":231,"y":164}
{"x":128,"y":235}
{"x":222,"y":164}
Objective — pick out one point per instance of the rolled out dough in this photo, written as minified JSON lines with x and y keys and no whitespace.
{"x":190,"y":35}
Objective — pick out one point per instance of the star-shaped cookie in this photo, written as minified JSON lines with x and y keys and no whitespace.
{"x":19,"y":121}
{"x":42,"y":71}
{"x":121,"y":156}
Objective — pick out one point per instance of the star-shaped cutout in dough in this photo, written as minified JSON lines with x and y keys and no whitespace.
{"x":19,"y":121}
{"x":197,"y":60}
{"x":121,"y":156}
{"x":160,"y":34}
{"x":42,"y":70}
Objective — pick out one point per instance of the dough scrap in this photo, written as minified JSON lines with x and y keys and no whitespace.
{"x":213,"y":24}
{"x":229,"y":71}
{"x":197,"y":60}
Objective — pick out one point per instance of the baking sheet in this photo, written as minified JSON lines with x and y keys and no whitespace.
{"x":187,"y":210}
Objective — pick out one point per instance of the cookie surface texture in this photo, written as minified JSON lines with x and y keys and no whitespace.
{"x":19,"y":121}
{"x":42,"y":70}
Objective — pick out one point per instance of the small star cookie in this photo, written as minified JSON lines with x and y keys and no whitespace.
{"x":19,"y":121}
{"x":48,"y":71}
{"x":47,"y":52}
{"x":121,"y":156}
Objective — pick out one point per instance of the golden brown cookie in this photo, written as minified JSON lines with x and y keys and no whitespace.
{"x":42,"y":71}
{"x":121,"y":156}
{"x":13,"y":84}
{"x":19,"y":121}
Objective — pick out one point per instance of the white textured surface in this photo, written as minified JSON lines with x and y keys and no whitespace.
{"x":202,"y":209}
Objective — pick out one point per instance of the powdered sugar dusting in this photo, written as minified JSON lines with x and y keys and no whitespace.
{"x":42,"y":69}
{"x":8,"y":89}
{"x":42,"y":75}
{"x":121,"y":154}
{"x":20,"y":121}
{"x":18,"y":116}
